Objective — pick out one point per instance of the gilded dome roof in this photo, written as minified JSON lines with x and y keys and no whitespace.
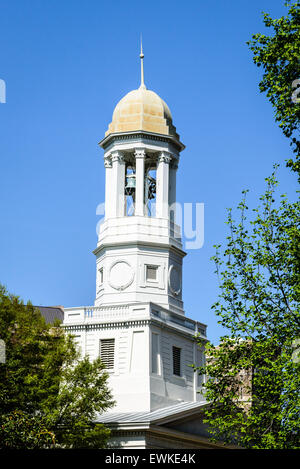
{"x":142,"y":109}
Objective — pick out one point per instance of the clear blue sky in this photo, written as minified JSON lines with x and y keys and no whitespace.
{"x":66,"y":64}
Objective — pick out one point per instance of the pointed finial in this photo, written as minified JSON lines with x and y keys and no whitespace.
{"x":142,"y":66}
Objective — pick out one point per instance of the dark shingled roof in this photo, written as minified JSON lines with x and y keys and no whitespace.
{"x":50,"y":313}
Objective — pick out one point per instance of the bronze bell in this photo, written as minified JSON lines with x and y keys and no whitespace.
{"x":130,"y":184}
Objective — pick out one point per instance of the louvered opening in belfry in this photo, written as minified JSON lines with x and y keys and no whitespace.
{"x":176,"y":361}
{"x":107,"y":352}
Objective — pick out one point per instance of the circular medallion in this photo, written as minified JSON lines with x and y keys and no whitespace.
{"x":121,"y":275}
{"x":174,"y":280}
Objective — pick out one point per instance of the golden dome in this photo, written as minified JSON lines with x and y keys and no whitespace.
{"x":142,"y":109}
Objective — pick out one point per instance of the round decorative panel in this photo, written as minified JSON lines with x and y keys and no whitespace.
{"x":121,"y":275}
{"x":174,"y":280}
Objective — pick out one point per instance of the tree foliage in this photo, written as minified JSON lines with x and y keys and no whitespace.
{"x":48,"y":394}
{"x":279,"y":54}
{"x":253,"y":386}
{"x":20,"y":430}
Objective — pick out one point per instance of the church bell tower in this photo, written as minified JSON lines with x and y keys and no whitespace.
{"x":139,"y":252}
{"x":138,"y":325}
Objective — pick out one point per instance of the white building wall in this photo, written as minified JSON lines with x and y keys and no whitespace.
{"x":124,"y":276}
{"x":134,"y":386}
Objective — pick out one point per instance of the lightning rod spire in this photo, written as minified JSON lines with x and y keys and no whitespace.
{"x":142,"y":66}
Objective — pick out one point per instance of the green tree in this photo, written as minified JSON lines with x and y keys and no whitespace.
{"x":253,"y":385}
{"x":20,"y":430}
{"x":48,"y":394}
{"x":279,"y":55}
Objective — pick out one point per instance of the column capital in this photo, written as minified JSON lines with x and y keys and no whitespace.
{"x":165,"y":157}
{"x":117,"y":156}
{"x":107,"y":161}
{"x":139,"y":153}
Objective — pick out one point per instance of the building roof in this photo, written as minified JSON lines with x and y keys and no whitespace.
{"x":50,"y":313}
{"x":159,"y":415}
{"x":178,"y":426}
{"x":142,"y":109}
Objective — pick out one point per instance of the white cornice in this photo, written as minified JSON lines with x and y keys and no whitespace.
{"x":140,"y":243}
{"x":142,"y":134}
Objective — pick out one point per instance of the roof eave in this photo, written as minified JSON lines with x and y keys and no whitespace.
{"x":106,"y":140}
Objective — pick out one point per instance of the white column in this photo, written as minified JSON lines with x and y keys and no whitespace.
{"x":140,"y":182}
{"x":118,"y":185}
{"x":162,"y":180}
{"x":108,"y":186}
{"x":172,"y":189}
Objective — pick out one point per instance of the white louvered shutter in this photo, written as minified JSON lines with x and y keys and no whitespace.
{"x":107,"y":352}
{"x":176,"y":361}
